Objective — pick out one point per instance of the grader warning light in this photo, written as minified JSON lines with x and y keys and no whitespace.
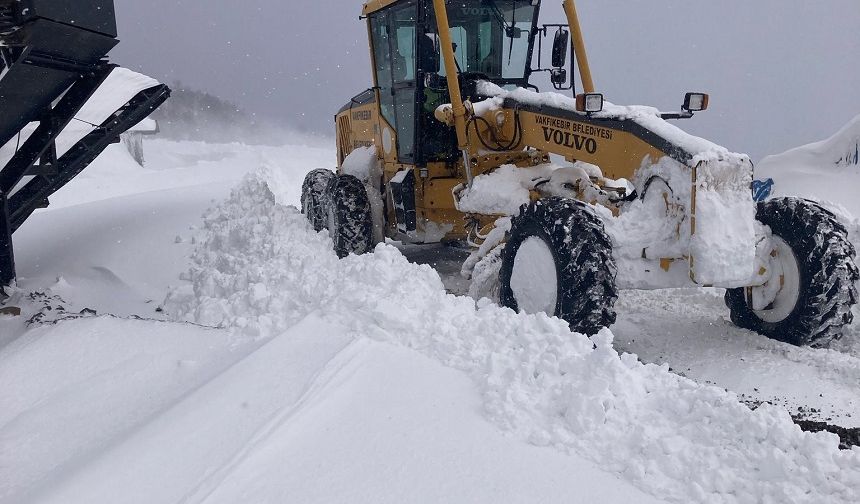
{"x":590,"y":103}
{"x":452,"y":144}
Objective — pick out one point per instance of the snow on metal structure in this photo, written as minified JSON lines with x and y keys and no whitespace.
{"x":52,"y":63}
{"x":133,"y":138}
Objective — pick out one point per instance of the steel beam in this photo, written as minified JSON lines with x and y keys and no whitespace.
{"x":7,"y":256}
{"x":52,"y":124}
{"x":35,"y":194}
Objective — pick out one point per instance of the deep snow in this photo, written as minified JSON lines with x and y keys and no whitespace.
{"x":261,"y":269}
{"x":326,"y":381}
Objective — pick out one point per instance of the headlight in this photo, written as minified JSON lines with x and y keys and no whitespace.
{"x":589,"y":102}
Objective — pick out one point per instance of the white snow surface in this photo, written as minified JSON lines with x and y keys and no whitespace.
{"x":114,"y":409}
{"x":842,"y":150}
{"x":120,"y":86}
{"x":261,"y":270}
{"x":362,"y":163}
{"x":362,"y":380}
{"x":828,"y":170}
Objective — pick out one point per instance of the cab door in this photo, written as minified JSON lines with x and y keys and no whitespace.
{"x":394,"y":38}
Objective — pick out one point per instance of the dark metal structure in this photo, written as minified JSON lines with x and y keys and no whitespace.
{"x":52,"y":61}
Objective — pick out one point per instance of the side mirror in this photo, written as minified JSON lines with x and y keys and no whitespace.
{"x":514,"y":32}
{"x":558,"y":77}
{"x":695,"y":102}
{"x":560,"y":46}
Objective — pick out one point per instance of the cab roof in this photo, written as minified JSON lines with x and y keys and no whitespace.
{"x":375,"y":5}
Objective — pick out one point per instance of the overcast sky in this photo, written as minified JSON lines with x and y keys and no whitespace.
{"x":780,"y":72}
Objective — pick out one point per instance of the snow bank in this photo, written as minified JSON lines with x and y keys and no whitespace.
{"x":261,"y":269}
{"x":842,"y":150}
{"x":828,"y":170}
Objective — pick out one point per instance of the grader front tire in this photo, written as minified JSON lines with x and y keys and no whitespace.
{"x":827,"y":276}
{"x":572,"y":238}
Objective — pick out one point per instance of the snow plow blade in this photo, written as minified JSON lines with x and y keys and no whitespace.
{"x":52,"y":62}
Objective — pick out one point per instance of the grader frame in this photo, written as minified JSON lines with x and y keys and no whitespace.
{"x":518,"y":131}
{"x":642,"y":204}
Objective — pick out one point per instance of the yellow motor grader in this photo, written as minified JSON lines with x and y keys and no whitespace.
{"x":454,"y":144}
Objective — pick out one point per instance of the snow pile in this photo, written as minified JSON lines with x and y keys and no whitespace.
{"x":502,"y":191}
{"x":261,"y":269}
{"x":247,"y":275}
{"x":827,"y":171}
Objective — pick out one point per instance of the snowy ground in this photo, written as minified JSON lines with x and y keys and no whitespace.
{"x":363,"y":380}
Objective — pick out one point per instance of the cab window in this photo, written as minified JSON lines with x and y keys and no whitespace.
{"x":393,"y":33}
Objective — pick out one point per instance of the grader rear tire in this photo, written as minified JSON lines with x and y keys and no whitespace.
{"x":818,"y":286}
{"x":349,"y":219}
{"x":558,"y":260}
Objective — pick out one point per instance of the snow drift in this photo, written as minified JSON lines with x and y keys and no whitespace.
{"x":260,"y":269}
{"x":842,"y":150}
{"x":828,"y":170}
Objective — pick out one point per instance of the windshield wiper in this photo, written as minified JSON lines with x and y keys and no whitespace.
{"x":512,"y":33}
{"x":498,"y":13}
{"x":510,"y":30}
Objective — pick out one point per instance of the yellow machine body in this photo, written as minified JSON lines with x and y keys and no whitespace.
{"x":411,"y":100}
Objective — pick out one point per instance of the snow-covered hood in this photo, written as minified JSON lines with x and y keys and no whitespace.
{"x":699,"y":149}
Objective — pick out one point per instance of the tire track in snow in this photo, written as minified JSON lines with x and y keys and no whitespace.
{"x":689,"y":330}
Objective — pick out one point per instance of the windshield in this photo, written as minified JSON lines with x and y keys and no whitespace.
{"x":492,"y":37}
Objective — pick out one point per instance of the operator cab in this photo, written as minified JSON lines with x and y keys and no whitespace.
{"x":493,"y":40}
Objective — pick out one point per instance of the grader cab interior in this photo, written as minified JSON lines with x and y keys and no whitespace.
{"x":492,"y":40}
